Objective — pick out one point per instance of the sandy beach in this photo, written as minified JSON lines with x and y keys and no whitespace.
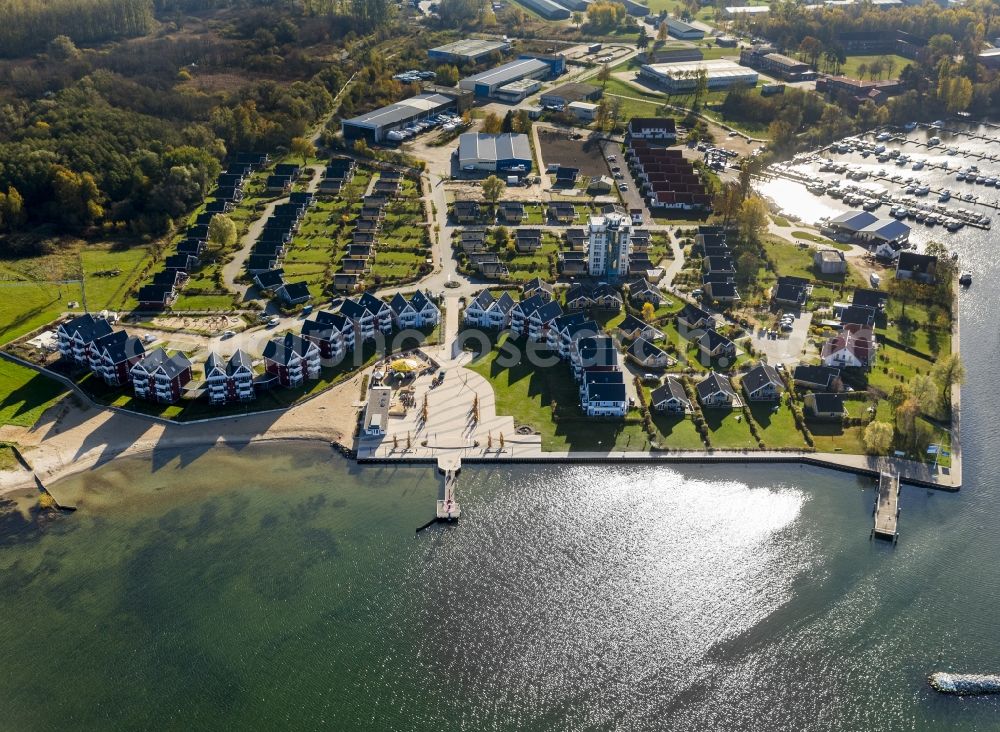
{"x":69,"y":439}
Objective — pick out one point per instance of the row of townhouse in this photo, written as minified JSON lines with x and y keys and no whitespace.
{"x":161,"y":291}
{"x":268,"y":251}
{"x":596,"y":366}
{"x":362,"y":249}
{"x":338,"y":174}
{"x":718,"y":280}
{"x":694,"y":323}
{"x":665,"y":177}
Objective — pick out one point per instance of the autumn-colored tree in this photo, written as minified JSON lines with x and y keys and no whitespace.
{"x":492,"y":189}
{"x":878,"y":438}
{"x":303,"y":148}
{"x":752,"y":219}
{"x":492,"y":124}
{"x":221,"y":232}
{"x":648,"y":311}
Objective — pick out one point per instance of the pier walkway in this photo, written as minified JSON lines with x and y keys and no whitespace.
{"x":448,"y":508}
{"x":887,"y":507}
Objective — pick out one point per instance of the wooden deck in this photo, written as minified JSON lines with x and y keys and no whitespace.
{"x":887,"y":507}
{"x":448,"y":508}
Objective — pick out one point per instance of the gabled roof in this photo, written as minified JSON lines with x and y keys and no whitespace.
{"x":604,"y":290}
{"x":714,"y":383}
{"x":711,"y":339}
{"x":324,"y":325}
{"x":270,"y":279}
{"x":284,"y":348}
{"x":579,"y":290}
{"x":858,"y":315}
{"x":120,"y":346}
{"x":822,"y":375}
{"x":154,"y":293}
{"x":568,"y":320}
{"x":917,"y":263}
{"x":584,"y":329}
{"x":631,"y":324}
{"x":371,"y":303}
{"x":594,"y":376}
{"x":671,"y":389}
{"x":483,"y":300}
{"x":789,"y":292}
{"x":87,"y":327}
{"x":723,"y":290}
{"x":537,"y":284}
{"x":693,"y":313}
{"x":398,"y":303}
{"x":158,"y":360}
{"x":858,"y":340}
{"x":760,"y":376}
{"x":643,"y":349}
{"x":549,"y":311}
{"x":505,"y":303}
{"x":829,"y":403}
{"x":869,"y":298}
{"x":295,"y":291}
{"x":529,"y":306}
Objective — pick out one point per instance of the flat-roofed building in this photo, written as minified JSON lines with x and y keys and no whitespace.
{"x":373,"y":126}
{"x":683,"y":77}
{"x":685,"y":31}
{"x":517,"y":91}
{"x":487,"y":83}
{"x":468,"y":50}
{"x":568,"y":93}
{"x":769,"y":61}
{"x":506,"y":153}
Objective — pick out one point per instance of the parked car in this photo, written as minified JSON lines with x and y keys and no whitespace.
{"x":228,"y":333}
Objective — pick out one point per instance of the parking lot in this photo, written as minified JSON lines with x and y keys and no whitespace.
{"x":786,"y":347}
{"x":630,"y":197}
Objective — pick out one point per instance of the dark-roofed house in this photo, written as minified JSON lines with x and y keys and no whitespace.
{"x":278,"y":183}
{"x":820,"y":378}
{"x":715,"y":390}
{"x":156,"y":296}
{"x":824,"y":406}
{"x":724,"y":292}
{"x":576,"y":239}
{"x":790,"y":292}
{"x":230,"y":380}
{"x":523,"y":310}
{"x":292,"y":359}
{"x":713,"y":344}
{"x":537,"y":286}
{"x":498,"y":315}
{"x":606,"y":297}
{"x":558,"y":335}
{"x":186,"y":262}
{"x":475,"y":311}
{"x":511,"y":212}
{"x":540,"y":320}
{"x":419,"y":311}
{"x":270,"y":279}
{"x":633,"y":327}
{"x":77,"y":335}
{"x":858,"y":315}
{"x":159,"y":377}
{"x":762,"y":383}
{"x":647,"y":355}
{"x":294,"y":293}
{"x":579,"y":297}
{"x":691,"y":317}
{"x":870,"y":298}
{"x":670,"y":397}
{"x":916,"y":267}
{"x":643,"y":291}
{"x":528,"y":240}
{"x":572,"y":263}
{"x":593,"y":353}
{"x":333,"y":333}
{"x":604,"y":398}
{"x":467,"y":211}
{"x":719,"y":264}
{"x":112,"y":357}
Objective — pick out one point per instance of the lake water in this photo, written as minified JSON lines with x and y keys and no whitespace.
{"x":280,"y":587}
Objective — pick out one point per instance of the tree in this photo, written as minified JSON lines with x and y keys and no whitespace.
{"x":642,"y":41}
{"x":648,"y":312}
{"x":890,"y":65}
{"x":810,"y":49}
{"x":748,"y":266}
{"x":862,"y":70}
{"x":924,"y":389}
{"x":221,"y":232}
{"x":727,"y":201}
{"x":948,"y":372}
{"x":501,"y":237}
{"x":878,"y":438}
{"x":77,"y":197}
{"x":604,"y":75}
{"x":752,"y":219}
{"x":447,"y":75}
{"x":302,"y":147}
{"x":508,"y":122}
{"x":492,"y":124}
{"x":577,"y":18}
{"x":661,"y":33}
{"x":492,"y":189}
{"x":12,"y":212}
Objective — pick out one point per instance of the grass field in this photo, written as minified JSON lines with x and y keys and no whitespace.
{"x":25,"y":394}
{"x":548,"y":400}
{"x":777,"y":429}
{"x":727,"y":430}
{"x":854,"y":62}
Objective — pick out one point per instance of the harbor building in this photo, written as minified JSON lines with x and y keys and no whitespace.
{"x":468,"y":50}
{"x":609,"y":238}
{"x":505,"y":153}
{"x":678,"y":78}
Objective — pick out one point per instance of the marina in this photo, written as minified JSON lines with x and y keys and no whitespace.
{"x":925,"y":174}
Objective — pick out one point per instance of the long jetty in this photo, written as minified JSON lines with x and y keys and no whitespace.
{"x":887,"y":507}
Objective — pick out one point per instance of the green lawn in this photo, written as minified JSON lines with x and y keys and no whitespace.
{"x":796,"y":260}
{"x":25,"y":306}
{"x":776,"y":429}
{"x":109,"y":274}
{"x":853,"y":62}
{"x":728,"y":430}
{"x":548,"y":400}
{"x":26,"y":394}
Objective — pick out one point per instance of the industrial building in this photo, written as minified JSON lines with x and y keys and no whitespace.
{"x":487,"y":83}
{"x":567,"y":93}
{"x":506,"y":153}
{"x":547,"y":9}
{"x":683,"y":77}
{"x":583,"y":111}
{"x":469,"y":50}
{"x":733,"y":11}
{"x":768,"y":60}
{"x":517,"y":91}
{"x":684,"y":31}
{"x":373,"y":126}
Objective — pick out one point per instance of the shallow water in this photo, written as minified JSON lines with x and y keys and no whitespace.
{"x":280,"y":587}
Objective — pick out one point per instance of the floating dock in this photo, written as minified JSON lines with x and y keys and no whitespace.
{"x":887,"y":508}
{"x":447,"y":507}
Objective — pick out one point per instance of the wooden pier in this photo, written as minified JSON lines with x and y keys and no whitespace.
{"x":447,"y":507}
{"x":887,"y":508}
